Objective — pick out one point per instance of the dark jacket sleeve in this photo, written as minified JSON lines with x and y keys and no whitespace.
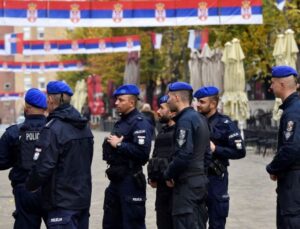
{"x":7,"y":148}
{"x":47,"y":151}
{"x":234,"y":147}
{"x":289,"y":148}
{"x":139,"y":148}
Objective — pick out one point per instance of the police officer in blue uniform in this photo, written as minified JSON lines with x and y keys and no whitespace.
{"x":225,"y":143}
{"x":126,"y":150}
{"x":63,"y":157}
{"x":185,"y":173}
{"x":285,"y":166}
{"x":16,"y":152}
{"x":163,"y":149}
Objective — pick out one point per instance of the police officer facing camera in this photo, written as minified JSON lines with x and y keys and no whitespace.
{"x":63,"y":157}
{"x":285,"y":166}
{"x":16,"y":152}
{"x":126,"y":150}
{"x":185,"y":173}
{"x":225,"y":143}
{"x":163,"y":149}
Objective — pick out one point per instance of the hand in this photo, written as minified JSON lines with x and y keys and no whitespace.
{"x":273,"y":177}
{"x":170,"y":183}
{"x":212,"y":147}
{"x":153,"y":184}
{"x":113,"y":140}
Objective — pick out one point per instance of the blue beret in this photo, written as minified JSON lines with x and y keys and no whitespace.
{"x":283,"y":71}
{"x":180,"y":86}
{"x":36,"y":98}
{"x":127,"y":89}
{"x":205,"y":92}
{"x":163,"y":99}
{"x":59,"y":87}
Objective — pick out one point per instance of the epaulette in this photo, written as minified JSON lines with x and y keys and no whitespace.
{"x":140,"y":118}
{"x":50,"y":123}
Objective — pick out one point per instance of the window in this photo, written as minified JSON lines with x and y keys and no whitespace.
{"x":42,"y":83}
{"x":40,"y":33}
{"x":26,"y":33}
{"x":27,"y":83}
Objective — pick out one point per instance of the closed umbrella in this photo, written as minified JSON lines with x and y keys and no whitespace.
{"x":195,"y":69}
{"x":132,"y":69}
{"x":206,"y":66}
{"x":80,"y":94}
{"x":290,"y":48}
{"x":278,"y":51}
{"x":285,"y":53}
{"x":234,"y":99}
{"x":217,"y":69}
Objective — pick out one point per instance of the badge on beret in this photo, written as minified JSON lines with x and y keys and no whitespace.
{"x":289,"y":130}
{"x":181,"y":137}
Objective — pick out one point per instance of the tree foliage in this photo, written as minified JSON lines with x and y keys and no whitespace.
{"x":170,"y":61}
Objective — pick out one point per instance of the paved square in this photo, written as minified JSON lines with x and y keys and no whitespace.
{"x":252,"y":193}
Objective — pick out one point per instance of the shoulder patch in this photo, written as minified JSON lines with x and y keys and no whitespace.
{"x":48,"y":124}
{"x":289,"y":130}
{"x":181,"y":137}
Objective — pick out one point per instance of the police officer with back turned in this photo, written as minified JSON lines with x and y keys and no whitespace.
{"x":285,"y":166}
{"x":163,"y":149}
{"x":63,"y":162}
{"x":185,"y":173}
{"x":16,"y":152}
{"x":126,"y":150}
{"x":225,"y":143}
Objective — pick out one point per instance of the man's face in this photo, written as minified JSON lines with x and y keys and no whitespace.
{"x":276,"y":87}
{"x":124,"y":103}
{"x":164,"y":113}
{"x":172,"y":101}
{"x":204,"y":105}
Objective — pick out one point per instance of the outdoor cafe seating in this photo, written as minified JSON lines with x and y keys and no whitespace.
{"x":260,"y":134}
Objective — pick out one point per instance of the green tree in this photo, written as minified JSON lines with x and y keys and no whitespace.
{"x":170,"y":61}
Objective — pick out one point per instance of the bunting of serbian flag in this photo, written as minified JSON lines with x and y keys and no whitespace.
{"x":50,"y":66}
{"x":140,"y":13}
{"x":82,"y":46}
{"x":13,"y":43}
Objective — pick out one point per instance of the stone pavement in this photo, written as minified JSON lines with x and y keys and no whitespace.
{"x":252,"y":193}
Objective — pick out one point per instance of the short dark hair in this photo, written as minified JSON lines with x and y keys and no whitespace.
{"x":186,"y":96}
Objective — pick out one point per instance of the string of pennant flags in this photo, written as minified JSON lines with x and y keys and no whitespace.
{"x":49,"y":66}
{"x":14,"y":44}
{"x":137,"y":13}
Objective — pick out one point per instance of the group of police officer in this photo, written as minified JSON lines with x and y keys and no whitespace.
{"x":51,"y":158}
{"x":190,"y":145}
{"x":51,"y":161}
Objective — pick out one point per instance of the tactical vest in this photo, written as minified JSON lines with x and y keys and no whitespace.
{"x":27,"y":139}
{"x":163,"y":150}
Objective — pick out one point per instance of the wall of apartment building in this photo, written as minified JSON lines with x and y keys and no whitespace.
{"x":20,"y":82}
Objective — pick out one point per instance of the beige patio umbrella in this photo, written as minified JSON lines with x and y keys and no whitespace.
{"x":285,"y":53}
{"x":132,"y":69}
{"x":206,"y":66}
{"x":195,"y":70}
{"x":234,"y":99}
{"x":80,"y":95}
{"x":218,"y":69}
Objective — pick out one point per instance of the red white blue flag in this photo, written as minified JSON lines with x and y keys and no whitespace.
{"x":13,"y":43}
{"x":197,"y":39}
{"x":83,"y":46}
{"x":50,"y":66}
{"x":140,"y":13}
